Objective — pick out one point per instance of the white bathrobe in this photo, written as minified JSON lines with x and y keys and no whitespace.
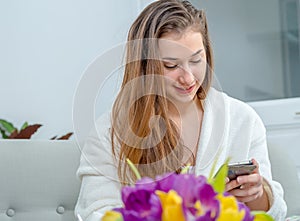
{"x":230,"y":128}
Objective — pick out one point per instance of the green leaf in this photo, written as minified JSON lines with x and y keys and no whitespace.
{"x":211,"y":173}
{"x":9,"y":127}
{"x":24,"y":126}
{"x":218,"y":181}
{"x":134,"y":169}
{"x":4,"y":136}
{"x":185,"y":169}
{"x":261,"y":216}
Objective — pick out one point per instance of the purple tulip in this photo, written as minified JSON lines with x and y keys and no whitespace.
{"x":183,"y":185}
{"x":201,"y":190}
{"x":145,"y":183}
{"x":206,"y":217}
{"x":248,"y":216}
{"x":165,"y":182}
{"x":198,"y":200}
{"x":140,"y":201}
{"x":142,"y":210}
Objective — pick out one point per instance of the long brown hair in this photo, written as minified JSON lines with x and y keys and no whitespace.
{"x":141,"y":129}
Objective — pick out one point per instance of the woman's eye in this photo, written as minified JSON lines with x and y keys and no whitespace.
{"x":196,"y":61}
{"x":170,"y":66}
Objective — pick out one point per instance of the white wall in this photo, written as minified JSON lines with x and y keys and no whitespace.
{"x":247,"y":46}
{"x":45,"y":46}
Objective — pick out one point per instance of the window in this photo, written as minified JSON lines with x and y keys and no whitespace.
{"x":256,"y":47}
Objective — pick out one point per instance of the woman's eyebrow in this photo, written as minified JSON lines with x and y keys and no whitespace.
{"x":197,"y":52}
{"x":174,"y":59}
{"x":169,"y":58}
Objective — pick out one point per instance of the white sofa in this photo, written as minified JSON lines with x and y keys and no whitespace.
{"x":38,"y":181}
{"x":284,"y":170}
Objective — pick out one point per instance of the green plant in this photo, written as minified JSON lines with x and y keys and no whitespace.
{"x":9,"y":131}
{"x":64,"y":137}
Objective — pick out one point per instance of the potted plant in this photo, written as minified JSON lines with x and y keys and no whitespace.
{"x":9,"y":131}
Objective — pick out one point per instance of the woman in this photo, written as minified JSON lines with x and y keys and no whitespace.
{"x":167,"y":115}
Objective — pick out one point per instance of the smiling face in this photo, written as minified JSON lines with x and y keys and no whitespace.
{"x":184,"y":59}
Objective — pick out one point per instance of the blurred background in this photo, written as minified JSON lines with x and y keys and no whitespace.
{"x":46,"y":46}
{"x":256,"y":46}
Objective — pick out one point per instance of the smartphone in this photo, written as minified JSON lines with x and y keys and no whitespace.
{"x":240,"y":168}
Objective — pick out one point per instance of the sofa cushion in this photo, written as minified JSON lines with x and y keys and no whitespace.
{"x":38,"y":179}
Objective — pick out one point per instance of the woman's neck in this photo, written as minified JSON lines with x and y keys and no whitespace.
{"x":189,"y":121}
{"x":180,"y":111}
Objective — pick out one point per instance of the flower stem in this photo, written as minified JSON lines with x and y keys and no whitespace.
{"x":134,"y":169}
{"x":185,"y":169}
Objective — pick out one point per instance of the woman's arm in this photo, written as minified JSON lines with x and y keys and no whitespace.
{"x":260,"y":190}
{"x":100,"y":187}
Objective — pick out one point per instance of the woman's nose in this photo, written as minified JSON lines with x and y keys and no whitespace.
{"x":186,"y":76}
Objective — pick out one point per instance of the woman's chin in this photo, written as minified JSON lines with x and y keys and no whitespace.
{"x":179,"y":99}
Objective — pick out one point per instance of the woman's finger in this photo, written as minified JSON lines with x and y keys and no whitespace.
{"x":231,"y":185}
{"x":244,"y":191}
{"x":256,"y":170}
{"x":246,"y":199}
{"x":227,"y":180}
{"x":252,"y":179}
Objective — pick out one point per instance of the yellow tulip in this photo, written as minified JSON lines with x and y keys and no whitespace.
{"x":112,"y":216}
{"x":172,"y":206}
{"x":229,"y":209}
{"x":199,"y":208}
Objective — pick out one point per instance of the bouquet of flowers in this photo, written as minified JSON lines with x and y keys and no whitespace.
{"x":181,"y":197}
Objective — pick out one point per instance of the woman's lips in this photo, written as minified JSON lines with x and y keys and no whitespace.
{"x":185,"y":90}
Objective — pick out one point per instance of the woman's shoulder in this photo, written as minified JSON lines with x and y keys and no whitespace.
{"x":238,"y":115}
{"x":101,"y":125}
{"x":231,"y":105}
{"x":96,"y":154}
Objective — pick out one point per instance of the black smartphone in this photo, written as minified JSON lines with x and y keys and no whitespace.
{"x":240,"y":168}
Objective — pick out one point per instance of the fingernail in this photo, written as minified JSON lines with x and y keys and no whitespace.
{"x":239,"y":179}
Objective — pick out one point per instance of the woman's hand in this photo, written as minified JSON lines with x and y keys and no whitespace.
{"x":249,"y":190}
